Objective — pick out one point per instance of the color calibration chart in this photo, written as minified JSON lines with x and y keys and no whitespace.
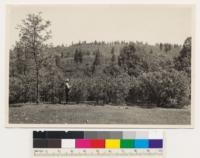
{"x":61,"y":144}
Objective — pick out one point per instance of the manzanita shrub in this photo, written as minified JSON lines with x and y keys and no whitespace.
{"x":102,"y":88}
{"x":166,"y":88}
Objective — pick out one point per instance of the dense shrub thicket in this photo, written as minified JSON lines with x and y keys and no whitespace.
{"x":103,"y":89}
{"x":116,"y":73}
{"x":166,"y":88}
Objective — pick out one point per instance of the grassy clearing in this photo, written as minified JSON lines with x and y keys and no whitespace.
{"x":89,"y":114}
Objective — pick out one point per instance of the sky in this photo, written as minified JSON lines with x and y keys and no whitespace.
{"x":146,"y":23}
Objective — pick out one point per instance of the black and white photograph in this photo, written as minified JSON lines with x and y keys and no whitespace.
{"x":99,"y":65}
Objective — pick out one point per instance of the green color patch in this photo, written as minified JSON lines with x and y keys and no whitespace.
{"x":127,"y":143}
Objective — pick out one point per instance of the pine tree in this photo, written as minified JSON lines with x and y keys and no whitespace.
{"x":76,"y":56}
{"x":113,"y":57}
{"x":97,"y":60}
{"x":183,"y":61}
{"x":34,"y":32}
{"x":80,"y":56}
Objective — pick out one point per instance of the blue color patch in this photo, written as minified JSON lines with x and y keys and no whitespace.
{"x":141,"y":143}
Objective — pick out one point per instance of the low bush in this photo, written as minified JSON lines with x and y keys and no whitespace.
{"x":78,"y":90}
{"x":15,"y":88}
{"x":166,"y":88}
{"x":101,"y":88}
{"x":119,"y":88}
{"x":135,"y":91}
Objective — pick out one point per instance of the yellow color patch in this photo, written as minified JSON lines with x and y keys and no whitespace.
{"x":112,"y":143}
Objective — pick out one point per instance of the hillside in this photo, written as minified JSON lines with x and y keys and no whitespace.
{"x":105,"y":48}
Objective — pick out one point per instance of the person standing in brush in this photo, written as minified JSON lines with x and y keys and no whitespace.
{"x":67,"y":89}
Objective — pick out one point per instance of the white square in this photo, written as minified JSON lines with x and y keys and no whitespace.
{"x":142,"y":135}
{"x":68,"y":143}
{"x":155,"y":135}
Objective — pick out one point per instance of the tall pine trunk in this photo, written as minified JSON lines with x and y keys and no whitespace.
{"x":37,"y":85}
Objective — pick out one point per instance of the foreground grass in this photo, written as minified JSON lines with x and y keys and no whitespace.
{"x":82,"y":114}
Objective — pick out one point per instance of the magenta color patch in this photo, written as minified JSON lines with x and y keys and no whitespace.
{"x":83,"y":143}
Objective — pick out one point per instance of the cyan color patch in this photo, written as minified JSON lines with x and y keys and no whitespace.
{"x":141,"y":143}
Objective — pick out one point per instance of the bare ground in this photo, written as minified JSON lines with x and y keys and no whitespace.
{"x":90,"y":114}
